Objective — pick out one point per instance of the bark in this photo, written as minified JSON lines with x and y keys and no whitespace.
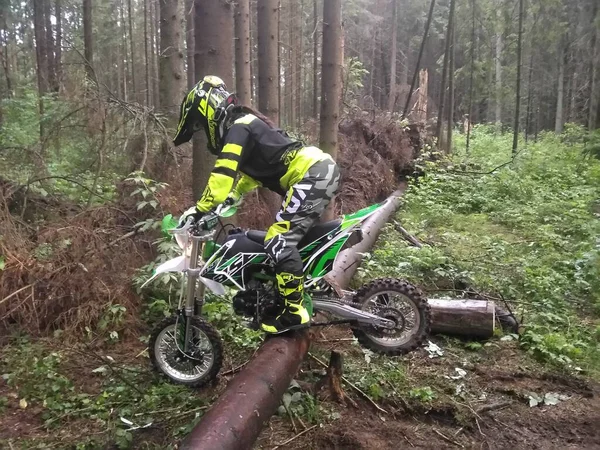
{"x":421,"y":105}
{"x":331,"y":80}
{"x":154,"y":26}
{"x":41,"y":47}
{"x":88,"y":42}
{"x":419,"y":59}
{"x":393,"y":51}
{"x":315,"y":98}
{"x":471,"y":76}
{"x":190,"y":43}
{"x":4,"y":48}
{"x":498,"y":63}
{"x":519,"y":67}
{"x":442,"y":101}
{"x":123,"y":58}
{"x":292,"y":67}
{"x":172,"y":83}
{"x":131,"y":49}
{"x":560,"y":89}
{"x":475,"y":318}
{"x":530,"y":92}
{"x":58,"y":44}
{"x":52,"y":84}
{"x":299,"y":51}
{"x":268,"y":70}
{"x":147,"y":56}
{"x":451,"y":81}
{"x":594,"y":114}
{"x":213,"y":25}
{"x":242,"y":51}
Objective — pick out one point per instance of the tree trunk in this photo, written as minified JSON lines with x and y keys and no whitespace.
{"x":213,"y":25}
{"x":299,"y":51}
{"x":52,"y":84}
{"x":419,"y":59}
{"x":519,"y":67}
{"x":172,"y":83}
{"x":147,"y":56}
{"x":190,"y":43}
{"x":123,"y":57}
{"x":498,"y":61}
{"x":315,"y":96}
{"x":331,"y":86}
{"x":58,"y":45}
{"x":393,"y":51}
{"x":442,"y":101}
{"x":131,"y":48}
{"x":421,"y":106}
{"x":471,"y":76}
{"x":593,"y":114}
{"x":331,"y":82}
{"x":292,"y":67}
{"x":154,"y":27}
{"x":40,"y":46}
{"x":451,"y":80}
{"x":560,"y":89}
{"x":268,"y":71}
{"x":530,"y":91}
{"x":4,"y":47}
{"x":242,"y":51}
{"x":88,"y":39}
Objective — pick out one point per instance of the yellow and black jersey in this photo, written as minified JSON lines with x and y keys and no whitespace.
{"x":262,"y":155}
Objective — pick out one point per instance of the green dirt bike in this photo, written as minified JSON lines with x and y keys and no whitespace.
{"x":388,"y":316}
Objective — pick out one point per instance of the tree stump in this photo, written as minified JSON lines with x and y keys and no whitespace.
{"x":333,"y":379}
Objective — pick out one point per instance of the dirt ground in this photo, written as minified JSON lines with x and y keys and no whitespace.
{"x":494,"y":415}
{"x":501,"y":418}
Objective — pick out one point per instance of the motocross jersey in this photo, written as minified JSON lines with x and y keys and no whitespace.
{"x":263,"y":156}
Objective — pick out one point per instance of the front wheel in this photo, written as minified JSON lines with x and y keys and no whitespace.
{"x":395,"y":300}
{"x":202,"y":361}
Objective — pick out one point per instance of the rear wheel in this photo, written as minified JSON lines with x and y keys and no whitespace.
{"x":202,"y":361}
{"x":400,"y":302}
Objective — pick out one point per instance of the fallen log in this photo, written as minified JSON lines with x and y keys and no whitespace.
{"x":251,"y":398}
{"x":474,"y":318}
{"x":236,"y":419}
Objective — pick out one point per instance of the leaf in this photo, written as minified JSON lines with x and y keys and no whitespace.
{"x":296,"y":397}
{"x":2,"y":263}
{"x":553,"y":398}
{"x":141,"y":205}
{"x":22,"y":403}
{"x":287,"y":399}
{"x":534,"y":400}
{"x":101,"y":369}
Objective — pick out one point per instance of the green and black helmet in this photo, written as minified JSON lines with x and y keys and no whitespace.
{"x":205,"y":106}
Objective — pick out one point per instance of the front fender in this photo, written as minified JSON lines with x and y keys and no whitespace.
{"x":181,"y":264}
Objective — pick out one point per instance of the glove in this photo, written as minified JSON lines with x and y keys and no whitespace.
{"x":190,"y":212}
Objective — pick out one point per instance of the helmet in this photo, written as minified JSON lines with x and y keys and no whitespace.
{"x":206,"y":106}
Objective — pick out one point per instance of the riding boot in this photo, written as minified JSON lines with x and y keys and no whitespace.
{"x":294,"y":315}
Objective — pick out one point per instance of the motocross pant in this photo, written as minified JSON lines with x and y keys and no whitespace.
{"x":303,"y":204}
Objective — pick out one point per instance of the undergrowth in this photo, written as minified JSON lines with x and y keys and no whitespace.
{"x":527,"y":232}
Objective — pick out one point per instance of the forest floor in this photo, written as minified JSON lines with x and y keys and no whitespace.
{"x":428,"y":403}
{"x":526,"y":232}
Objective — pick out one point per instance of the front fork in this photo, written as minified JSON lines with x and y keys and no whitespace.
{"x":194,"y":291}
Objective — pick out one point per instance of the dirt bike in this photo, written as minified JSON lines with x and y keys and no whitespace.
{"x":387,"y":316}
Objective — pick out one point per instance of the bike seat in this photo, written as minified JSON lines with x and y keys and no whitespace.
{"x":314,"y":233}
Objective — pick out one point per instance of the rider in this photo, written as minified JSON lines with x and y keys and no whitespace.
{"x":247,"y":142}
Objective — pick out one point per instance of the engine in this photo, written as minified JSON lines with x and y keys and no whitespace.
{"x":244,"y":303}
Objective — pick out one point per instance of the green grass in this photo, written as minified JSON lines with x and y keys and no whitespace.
{"x":527,"y":232}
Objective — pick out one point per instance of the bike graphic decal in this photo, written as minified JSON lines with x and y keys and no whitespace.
{"x":232,"y":269}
